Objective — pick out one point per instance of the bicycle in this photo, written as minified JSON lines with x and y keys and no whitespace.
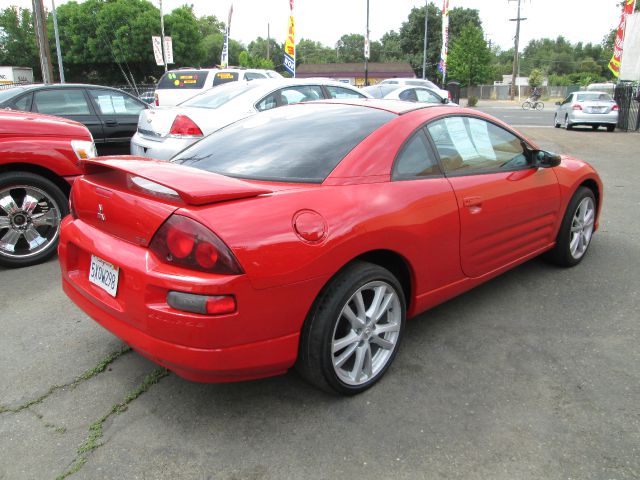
{"x":530,"y":104}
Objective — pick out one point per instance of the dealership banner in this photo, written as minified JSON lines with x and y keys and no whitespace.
{"x":290,"y":45}
{"x":157,"y":50}
{"x":614,"y":64}
{"x":168,"y":50}
{"x":442,"y":65}
{"x":224,"y":57}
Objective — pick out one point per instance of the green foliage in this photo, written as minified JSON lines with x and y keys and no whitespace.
{"x":350,"y":49}
{"x":472,"y":101}
{"x":535,"y":78}
{"x":258,"y":49}
{"x":17,"y":39}
{"x":470,"y":58}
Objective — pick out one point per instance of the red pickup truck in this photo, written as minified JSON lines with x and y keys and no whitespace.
{"x":39,"y":159}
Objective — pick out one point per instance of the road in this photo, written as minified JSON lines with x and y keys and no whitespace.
{"x":516,"y":117}
{"x":534,"y":375}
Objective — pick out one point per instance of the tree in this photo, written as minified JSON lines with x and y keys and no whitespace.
{"x":535,"y":78}
{"x":183,"y":27}
{"x":391,"y":47}
{"x":258,"y":49}
{"x":308,"y":51}
{"x":350,"y":49}
{"x":17,"y":39}
{"x":470,"y":58}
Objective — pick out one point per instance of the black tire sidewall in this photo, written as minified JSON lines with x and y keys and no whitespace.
{"x":562,"y":252}
{"x":51,"y":189}
{"x":320,"y":325}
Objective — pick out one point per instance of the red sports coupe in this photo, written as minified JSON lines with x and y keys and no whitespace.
{"x":306,"y":235}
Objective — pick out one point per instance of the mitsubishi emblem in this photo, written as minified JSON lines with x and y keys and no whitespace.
{"x":101,"y":214}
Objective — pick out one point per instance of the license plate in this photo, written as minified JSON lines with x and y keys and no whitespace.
{"x":598,"y":109}
{"x":104,"y":275}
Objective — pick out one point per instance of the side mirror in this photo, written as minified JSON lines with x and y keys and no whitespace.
{"x":544,"y":159}
{"x":558,"y":103}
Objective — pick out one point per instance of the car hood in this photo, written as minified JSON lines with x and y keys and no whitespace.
{"x":14,"y":122}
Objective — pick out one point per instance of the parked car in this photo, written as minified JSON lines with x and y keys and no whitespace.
{"x":305,"y":235}
{"x":594,"y":109}
{"x":148,"y":97}
{"x":39,"y":157}
{"x":176,"y":86}
{"x":408,"y":93}
{"x":417,"y":82}
{"x":163,"y":132}
{"x":111,"y":115}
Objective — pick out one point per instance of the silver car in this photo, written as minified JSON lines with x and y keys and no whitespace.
{"x":417,"y":82}
{"x":166,"y":131}
{"x":406,"y":92}
{"x":587,"y":108}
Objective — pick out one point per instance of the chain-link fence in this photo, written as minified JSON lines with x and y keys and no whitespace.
{"x":626,"y":96}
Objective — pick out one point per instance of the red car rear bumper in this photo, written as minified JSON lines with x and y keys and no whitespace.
{"x":260,"y":339}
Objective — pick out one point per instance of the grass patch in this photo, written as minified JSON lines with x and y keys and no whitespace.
{"x":96,"y":428}
{"x":92,"y":372}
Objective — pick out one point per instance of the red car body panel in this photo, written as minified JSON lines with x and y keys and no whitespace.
{"x":451,"y":234}
{"x":40,"y":141}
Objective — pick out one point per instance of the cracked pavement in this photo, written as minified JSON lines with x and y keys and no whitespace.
{"x":535,"y":374}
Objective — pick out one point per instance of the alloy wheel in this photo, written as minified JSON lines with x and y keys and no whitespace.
{"x":582,"y":227}
{"x":366,"y":333}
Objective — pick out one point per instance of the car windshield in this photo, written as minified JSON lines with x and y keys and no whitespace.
{"x":594,"y":97}
{"x":8,"y":93}
{"x":218,"y":96}
{"x":301,"y":143}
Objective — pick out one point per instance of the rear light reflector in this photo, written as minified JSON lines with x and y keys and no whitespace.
{"x":615,"y":107}
{"x":577,"y":106}
{"x":156,"y":99}
{"x":202,"y":304}
{"x":183,"y":126}
{"x":184,"y":242}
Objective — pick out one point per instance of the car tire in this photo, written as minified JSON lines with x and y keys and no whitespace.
{"x":567,"y":123}
{"x":556,"y":123}
{"x":31,"y":209}
{"x":576,"y":230}
{"x":595,"y":127}
{"x":343,"y":349}
{"x":611,"y":128}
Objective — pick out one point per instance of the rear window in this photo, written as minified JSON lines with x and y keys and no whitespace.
{"x":216,"y":97}
{"x":301,"y":143}
{"x":183,"y":80}
{"x":593,"y":97}
{"x":225,"y":77}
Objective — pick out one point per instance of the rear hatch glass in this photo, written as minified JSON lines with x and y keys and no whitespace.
{"x":225,"y":77}
{"x":183,"y":80}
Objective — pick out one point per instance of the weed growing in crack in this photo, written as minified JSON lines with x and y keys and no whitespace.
{"x":96,"y":428}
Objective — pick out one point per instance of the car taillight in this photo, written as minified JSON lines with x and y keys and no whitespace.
{"x":449,"y":95}
{"x":156,"y":99}
{"x":184,"y":126}
{"x":577,"y":106}
{"x":185,"y":242}
{"x":615,"y":107}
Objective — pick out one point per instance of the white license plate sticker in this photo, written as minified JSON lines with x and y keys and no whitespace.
{"x":104,"y":275}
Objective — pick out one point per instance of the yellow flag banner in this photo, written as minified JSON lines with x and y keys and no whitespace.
{"x":290,"y":45}
{"x":614,"y":63}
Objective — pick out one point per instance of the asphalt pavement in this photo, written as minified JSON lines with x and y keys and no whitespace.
{"x":534,"y":375}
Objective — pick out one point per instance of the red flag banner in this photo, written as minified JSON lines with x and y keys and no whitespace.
{"x":614,"y":63}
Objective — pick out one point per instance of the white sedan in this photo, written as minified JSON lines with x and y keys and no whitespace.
{"x":408,"y":93}
{"x":163,"y":132}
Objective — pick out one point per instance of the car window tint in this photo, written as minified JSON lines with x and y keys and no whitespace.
{"x":408,"y":95}
{"x":473,"y":145}
{"x":294,"y":144}
{"x":305,"y":93}
{"x":416,"y":159}
{"x":268,"y":102}
{"x":427,"y":96}
{"x":183,"y":80}
{"x":253,"y":76}
{"x":60,"y":101}
{"x":114,"y":103}
{"x":24,"y":103}
{"x":216,"y":97}
{"x":340,"y":92}
{"x":593,"y":97}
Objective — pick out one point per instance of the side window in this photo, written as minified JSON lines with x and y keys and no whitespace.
{"x":114,"y":103}
{"x":416,"y":159}
{"x":61,"y":102}
{"x":24,"y":103}
{"x":568,"y":99}
{"x":305,"y":93}
{"x":427,"y":96}
{"x":253,"y":76}
{"x":268,"y":102}
{"x":409,"y":95}
{"x":472,"y":145}
{"x":339,"y":92}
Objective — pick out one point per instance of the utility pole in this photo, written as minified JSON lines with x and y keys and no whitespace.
{"x":40,"y":27}
{"x":164,"y":54}
{"x":366,"y":51}
{"x":58,"y":51}
{"x":516,"y":58}
{"x":424,"y":50}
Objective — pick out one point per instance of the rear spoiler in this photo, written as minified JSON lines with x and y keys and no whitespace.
{"x":194,"y":186}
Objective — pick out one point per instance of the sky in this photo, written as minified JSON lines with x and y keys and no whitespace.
{"x":327,"y":20}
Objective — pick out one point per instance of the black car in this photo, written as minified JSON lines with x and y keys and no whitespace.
{"x":110,"y":114}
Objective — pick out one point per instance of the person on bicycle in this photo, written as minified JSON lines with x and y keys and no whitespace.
{"x":535,"y":95}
